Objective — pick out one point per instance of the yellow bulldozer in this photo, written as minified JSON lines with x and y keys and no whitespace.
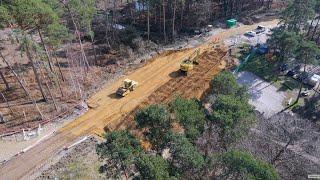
{"x":128,"y":86}
{"x":187,"y":64}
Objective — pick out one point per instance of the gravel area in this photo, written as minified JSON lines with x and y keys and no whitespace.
{"x":257,"y":39}
{"x":265,"y":97}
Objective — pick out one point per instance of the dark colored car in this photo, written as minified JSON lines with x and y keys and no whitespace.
{"x":250,"y":34}
{"x":305,"y":93}
{"x":297,"y":68}
{"x":284,"y":67}
{"x":291,"y":73}
{"x":262,"y":49}
{"x":260,"y":29}
{"x":303,"y":76}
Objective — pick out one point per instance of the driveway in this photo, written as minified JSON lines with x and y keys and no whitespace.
{"x":264,"y":96}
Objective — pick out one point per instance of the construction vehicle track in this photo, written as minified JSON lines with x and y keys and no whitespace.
{"x":158,"y":83}
{"x":194,"y":85}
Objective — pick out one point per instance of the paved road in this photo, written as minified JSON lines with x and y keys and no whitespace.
{"x":264,"y":96}
{"x":108,"y":108}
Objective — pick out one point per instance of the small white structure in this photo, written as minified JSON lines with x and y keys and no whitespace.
{"x":118,"y":27}
{"x":25,"y":136}
{"x":140,"y":6}
{"x":39,"y":130}
{"x":314,"y":80}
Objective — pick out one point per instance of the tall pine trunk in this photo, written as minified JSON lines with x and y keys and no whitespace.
{"x":301,"y":83}
{"x":59,"y":67}
{"x":22,"y":85}
{"x":310,"y":27}
{"x":84,"y":57}
{"x":182,"y":16}
{"x":94,"y":49}
{"x":164,"y":21}
{"x":46,"y":84}
{"x":148,"y":20}
{"x":174,"y":18}
{"x":92,"y":44}
{"x":315,"y":29}
{"x":35,"y":71}
{"x":46,"y":50}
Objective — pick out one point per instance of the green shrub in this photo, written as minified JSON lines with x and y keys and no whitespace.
{"x":190,"y":114}
{"x":237,"y":162}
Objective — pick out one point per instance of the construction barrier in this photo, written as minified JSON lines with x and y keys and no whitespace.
{"x":44,"y":122}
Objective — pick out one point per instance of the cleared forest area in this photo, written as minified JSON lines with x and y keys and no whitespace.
{"x":153,"y":91}
{"x":55,"y":54}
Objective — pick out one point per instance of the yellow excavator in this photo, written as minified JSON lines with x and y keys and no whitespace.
{"x":128,"y":86}
{"x":187,"y":64}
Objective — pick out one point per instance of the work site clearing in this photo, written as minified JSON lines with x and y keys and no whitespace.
{"x":159,"y":81}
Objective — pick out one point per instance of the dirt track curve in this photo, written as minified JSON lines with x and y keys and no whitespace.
{"x":158,"y":81}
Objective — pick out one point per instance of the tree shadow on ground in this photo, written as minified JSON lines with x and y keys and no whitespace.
{"x":114,"y":96}
{"x":311,"y":109}
{"x":176,"y":74}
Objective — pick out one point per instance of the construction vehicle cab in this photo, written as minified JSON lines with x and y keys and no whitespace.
{"x":187,"y":64}
{"x":128,"y":86}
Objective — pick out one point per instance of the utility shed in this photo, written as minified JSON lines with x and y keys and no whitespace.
{"x":314,"y":80}
{"x":231,"y":23}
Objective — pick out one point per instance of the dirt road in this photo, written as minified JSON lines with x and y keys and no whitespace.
{"x":195,"y":85}
{"x":107,"y":109}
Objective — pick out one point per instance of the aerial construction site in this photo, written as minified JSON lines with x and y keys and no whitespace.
{"x":159,"y":89}
{"x":159,"y":81}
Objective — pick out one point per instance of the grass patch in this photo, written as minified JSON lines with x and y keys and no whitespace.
{"x":262,"y":68}
{"x":289,"y":84}
{"x":80,"y":170}
{"x":310,"y":109}
{"x":295,"y":105}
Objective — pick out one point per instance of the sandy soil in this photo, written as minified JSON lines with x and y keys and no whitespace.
{"x":107,"y":108}
{"x":194,"y":85}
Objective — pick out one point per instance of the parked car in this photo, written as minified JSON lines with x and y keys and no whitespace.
{"x":250,"y":34}
{"x":291,"y":73}
{"x":262,"y":49}
{"x":197,"y":32}
{"x":284,"y":67}
{"x":296,"y":76}
{"x":297,"y":68}
{"x":305,"y":93}
{"x":260,"y":29}
{"x":303,"y":76}
{"x":314,"y":80}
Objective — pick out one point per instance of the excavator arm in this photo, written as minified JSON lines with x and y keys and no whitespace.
{"x":195,"y":56}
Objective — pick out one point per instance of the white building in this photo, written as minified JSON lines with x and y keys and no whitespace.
{"x":314,"y":80}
